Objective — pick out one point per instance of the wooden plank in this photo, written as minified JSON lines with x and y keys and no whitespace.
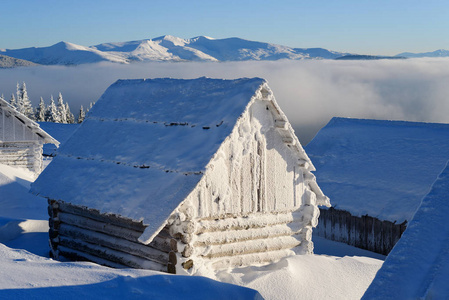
{"x":363,"y":232}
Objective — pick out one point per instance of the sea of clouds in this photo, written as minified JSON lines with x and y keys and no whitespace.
{"x":309,"y":92}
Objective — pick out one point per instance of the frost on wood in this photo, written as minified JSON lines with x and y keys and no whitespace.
{"x":21,"y":140}
{"x":212,"y":163}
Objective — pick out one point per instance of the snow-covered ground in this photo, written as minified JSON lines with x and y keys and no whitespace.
{"x":26,"y":271}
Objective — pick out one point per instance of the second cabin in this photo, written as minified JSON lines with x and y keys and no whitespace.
{"x":179,"y":175}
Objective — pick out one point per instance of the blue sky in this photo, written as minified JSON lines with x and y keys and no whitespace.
{"x":366,"y":27}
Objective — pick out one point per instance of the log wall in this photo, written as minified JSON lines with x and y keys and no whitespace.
{"x":363,"y":232}
{"x":84,"y":234}
{"x":26,"y":155}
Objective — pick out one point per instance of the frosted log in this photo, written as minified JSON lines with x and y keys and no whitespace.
{"x":258,"y":220}
{"x":251,"y":259}
{"x":247,"y":247}
{"x":232,"y":236}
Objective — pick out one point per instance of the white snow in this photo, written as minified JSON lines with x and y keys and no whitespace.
{"x":25,"y":275}
{"x":418,"y":266}
{"x":380,"y":168}
{"x":61,"y":132}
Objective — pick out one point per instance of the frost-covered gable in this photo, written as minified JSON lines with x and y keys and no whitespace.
{"x":145,"y":145}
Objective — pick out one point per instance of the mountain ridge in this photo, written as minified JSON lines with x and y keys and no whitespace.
{"x":167,"y":48}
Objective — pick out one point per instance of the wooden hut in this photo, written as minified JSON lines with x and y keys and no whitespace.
{"x":21,"y":140}
{"x":178,"y":175}
{"x":376,"y":172}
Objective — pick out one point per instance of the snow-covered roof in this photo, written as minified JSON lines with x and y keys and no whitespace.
{"x":379,"y":168}
{"x":145,"y":144}
{"x":31,"y":125}
{"x":418,"y":265}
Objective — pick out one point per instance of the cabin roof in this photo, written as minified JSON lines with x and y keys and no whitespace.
{"x":30,"y":125}
{"x":145,"y":145}
{"x":418,"y":265}
{"x":376,"y":167}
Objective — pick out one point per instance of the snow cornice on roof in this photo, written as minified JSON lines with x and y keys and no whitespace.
{"x":30,"y":124}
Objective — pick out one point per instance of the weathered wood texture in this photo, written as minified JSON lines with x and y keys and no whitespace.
{"x":80,"y":233}
{"x":22,"y":154}
{"x":363,"y":232}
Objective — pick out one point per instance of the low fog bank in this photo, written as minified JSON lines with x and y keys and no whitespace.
{"x":309,"y":92}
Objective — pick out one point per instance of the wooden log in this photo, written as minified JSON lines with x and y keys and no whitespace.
{"x":187,"y":264}
{"x":115,"y":243}
{"x":82,"y":256}
{"x":254,"y":246}
{"x":111,"y":255}
{"x":171,"y":269}
{"x":188,"y":251}
{"x":159,"y":242}
{"x":106,"y":218}
{"x":250,"y":259}
{"x":256,"y":220}
{"x":172,"y":258}
{"x":232,"y":236}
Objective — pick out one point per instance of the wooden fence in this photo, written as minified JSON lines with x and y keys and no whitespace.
{"x":363,"y":232}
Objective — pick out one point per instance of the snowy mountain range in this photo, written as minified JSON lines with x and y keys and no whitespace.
{"x":167,"y":48}
{"x":437,"y":53}
{"x":170,"y":48}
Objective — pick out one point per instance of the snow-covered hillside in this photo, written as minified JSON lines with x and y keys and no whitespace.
{"x":11,"y":62}
{"x":167,"y":48}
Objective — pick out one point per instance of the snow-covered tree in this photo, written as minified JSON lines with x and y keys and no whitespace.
{"x":13,"y":101}
{"x":81,"y":115}
{"x":90,"y":106}
{"x":70,"y":117}
{"x":40,"y":111}
{"x":62,"y":113}
{"x":18,"y":105}
{"x":51,"y":114}
{"x":27,"y":108}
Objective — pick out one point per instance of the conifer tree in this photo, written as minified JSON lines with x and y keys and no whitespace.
{"x":81,"y":115}
{"x":51,"y":114}
{"x":13,"y":101}
{"x":26,"y":107}
{"x":40,"y":111}
{"x":18,"y":105}
{"x":69,"y":116}
{"x":62,"y":113}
